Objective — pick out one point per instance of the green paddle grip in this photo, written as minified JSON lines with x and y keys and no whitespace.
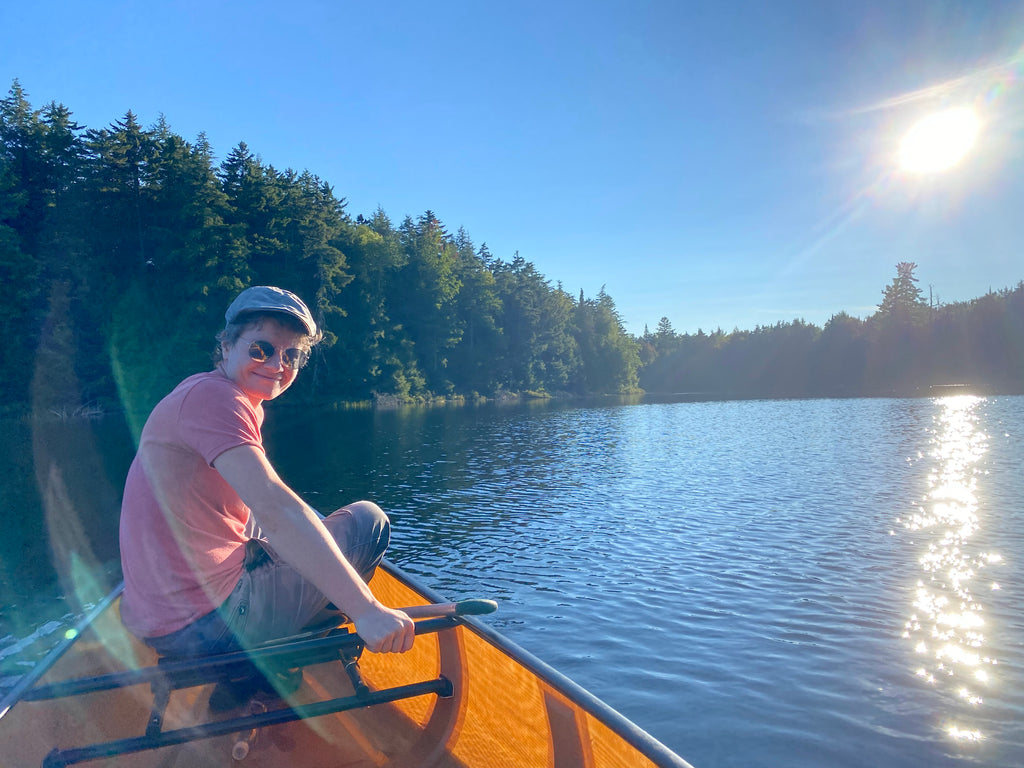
{"x":475,"y":607}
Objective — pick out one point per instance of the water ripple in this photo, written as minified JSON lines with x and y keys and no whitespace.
{"x":702,"y":566}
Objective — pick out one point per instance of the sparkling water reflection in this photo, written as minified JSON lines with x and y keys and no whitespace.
{"x":948,"y":626}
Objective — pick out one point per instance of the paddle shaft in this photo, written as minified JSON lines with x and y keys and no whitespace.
{"x":461,"y":608}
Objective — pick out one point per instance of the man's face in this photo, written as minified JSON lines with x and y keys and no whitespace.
{"x":261,"y":380}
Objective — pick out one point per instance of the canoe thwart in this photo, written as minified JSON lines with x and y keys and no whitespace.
{"x":186,"y":673}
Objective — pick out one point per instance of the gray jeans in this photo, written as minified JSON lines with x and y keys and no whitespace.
{"x":271,"y":599}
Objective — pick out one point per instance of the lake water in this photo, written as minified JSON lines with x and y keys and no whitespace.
{"x":757,"y":583}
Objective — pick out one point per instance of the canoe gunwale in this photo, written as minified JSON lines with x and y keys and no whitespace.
{"x":32,"y":677}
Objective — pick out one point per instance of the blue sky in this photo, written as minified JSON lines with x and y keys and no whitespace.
{"x":722,"y":164}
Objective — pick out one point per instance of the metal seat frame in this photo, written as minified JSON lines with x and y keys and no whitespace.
{"x":169,"y":675}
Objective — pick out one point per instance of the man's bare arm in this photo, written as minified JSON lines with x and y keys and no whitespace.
{"x":299,"y":537}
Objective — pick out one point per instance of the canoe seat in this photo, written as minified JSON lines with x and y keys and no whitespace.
{"x":170,"y":674}
{"x":270,"y":681}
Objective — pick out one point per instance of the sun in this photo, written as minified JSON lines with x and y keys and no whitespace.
{"x":939,"y":141}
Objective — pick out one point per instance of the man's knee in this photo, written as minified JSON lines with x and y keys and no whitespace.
{"x":360,"y":521}
{"x":367,"y":509}
{"x":363,"y":532}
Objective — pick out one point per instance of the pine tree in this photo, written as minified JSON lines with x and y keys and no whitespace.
{"x":538,"y":349}
{"x":254,"y":213}
{"x":609,"y":357}
{"x":477,"y":310}
{"x":62,"y":240}
{"x":19,"y":291}
{"x":901,"y":299}
{"x":427,"y":288}
{"x":21,"y":136}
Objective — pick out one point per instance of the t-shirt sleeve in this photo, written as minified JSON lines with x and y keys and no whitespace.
{"x":216,"y":417}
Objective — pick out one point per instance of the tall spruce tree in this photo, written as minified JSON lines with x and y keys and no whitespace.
{"x":19,"y":291}
{"x":609,"y":357}
{"x":20,"y":312}
{"x":558,"y":352}
{"x":477,"y":310}
{"x":427,"y":288}
{"x":374,"y":354}
{"x":902,"y":300}
{"x":21,"y":134}
{"x":62,"y":242}
{"x":528,"y":332}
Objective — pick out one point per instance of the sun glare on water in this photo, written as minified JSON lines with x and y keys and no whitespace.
{"x":939,"y":141}
{"x":948,"y":626}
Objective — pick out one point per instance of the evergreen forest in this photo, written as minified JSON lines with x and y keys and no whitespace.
{"x":121,"y":246}
{"x":908,"y":347}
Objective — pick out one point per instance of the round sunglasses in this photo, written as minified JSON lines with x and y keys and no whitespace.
{"x":293,"y":357}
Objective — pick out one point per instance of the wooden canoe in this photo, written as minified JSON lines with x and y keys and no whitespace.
{"x":464,"y":696}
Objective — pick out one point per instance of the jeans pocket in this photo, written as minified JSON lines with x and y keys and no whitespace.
{"x":239,"y":618}
{"x":235,"y":613}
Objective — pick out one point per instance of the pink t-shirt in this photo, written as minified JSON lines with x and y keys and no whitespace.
{"x":182,"y":526}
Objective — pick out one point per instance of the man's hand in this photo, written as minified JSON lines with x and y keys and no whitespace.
{"x":385,"y":630}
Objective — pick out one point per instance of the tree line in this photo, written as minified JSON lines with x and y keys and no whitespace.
{"x":908,"y":347}
{"x":121,"y":246}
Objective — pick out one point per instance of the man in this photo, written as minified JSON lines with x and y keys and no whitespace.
{"x":218,"y":553}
